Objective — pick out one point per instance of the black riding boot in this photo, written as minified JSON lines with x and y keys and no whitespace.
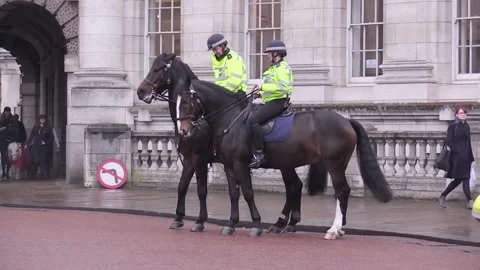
{"x":259,"y":155}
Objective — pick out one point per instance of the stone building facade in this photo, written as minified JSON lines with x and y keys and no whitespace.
{"x":82,"y":59}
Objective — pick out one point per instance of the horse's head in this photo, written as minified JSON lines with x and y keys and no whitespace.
{"x":158,"y":80}
{"x":191,"y":116}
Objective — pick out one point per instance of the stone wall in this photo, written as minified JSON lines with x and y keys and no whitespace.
{"x":103,"y":142}
{"x":406,"y":138}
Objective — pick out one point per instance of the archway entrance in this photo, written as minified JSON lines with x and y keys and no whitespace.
{"x":35,"y":38}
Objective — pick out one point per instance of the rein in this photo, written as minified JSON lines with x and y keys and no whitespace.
{"x":219,"y":112}
{"x":202,"y":120}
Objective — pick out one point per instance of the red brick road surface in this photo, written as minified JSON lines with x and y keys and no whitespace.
{"x":57,"y":239}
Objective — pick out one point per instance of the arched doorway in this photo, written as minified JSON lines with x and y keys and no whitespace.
{"x":39,"y":35}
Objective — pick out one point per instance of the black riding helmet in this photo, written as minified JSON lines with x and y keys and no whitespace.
{"x":216,"y":40}
{"x":277,"y":46}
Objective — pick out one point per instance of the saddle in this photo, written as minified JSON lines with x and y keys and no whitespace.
{"x":269,"y":125}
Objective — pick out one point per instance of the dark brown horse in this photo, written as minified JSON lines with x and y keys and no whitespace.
{"x":196,"y":155}
{"x":324,"y":139}
{"x":167,"y":78}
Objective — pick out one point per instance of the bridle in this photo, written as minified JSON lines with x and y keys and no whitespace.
{"x":162,"y":96}
{"x":194,"y":121}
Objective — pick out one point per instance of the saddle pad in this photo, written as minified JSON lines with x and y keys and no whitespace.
{"x":281,"y":129}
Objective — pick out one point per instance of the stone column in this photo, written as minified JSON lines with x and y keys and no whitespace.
{"x":310,"y":31}
{"x":42,"y":102}
{"x":100,"y":94}
{"x":10,"y":79}
{"x":417,"y":50}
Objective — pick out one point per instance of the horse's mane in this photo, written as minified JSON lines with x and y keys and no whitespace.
{"x":216,"y":89}
{"x":190,"y":73}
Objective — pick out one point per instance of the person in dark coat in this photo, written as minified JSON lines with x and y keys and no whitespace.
{"x":22,"y":133}
{"x":8,"y":134}
{"x":461,"y":157}
{"x":39,"y":141}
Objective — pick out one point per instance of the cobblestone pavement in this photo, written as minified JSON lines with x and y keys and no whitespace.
{"x":53,"y":239}
{"x":420,"y":219}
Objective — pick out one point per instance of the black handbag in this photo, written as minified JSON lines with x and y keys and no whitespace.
{"x":442,"y":161}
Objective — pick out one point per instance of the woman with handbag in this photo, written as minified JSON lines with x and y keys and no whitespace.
{"x":461,"y":156}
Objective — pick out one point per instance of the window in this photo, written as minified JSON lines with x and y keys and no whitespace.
{"x":163,"y":28}
{"x":264,"y":25}
{"x":365,"y":38}
{"x":467,"y":29}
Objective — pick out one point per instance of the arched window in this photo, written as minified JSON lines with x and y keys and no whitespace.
{"x":163,"y":28}
{"x":263,"y":25}
{"x":365,"y":38}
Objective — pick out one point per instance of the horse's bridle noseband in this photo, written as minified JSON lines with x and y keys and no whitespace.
{"x":154,"y":95}
{"x":194,"y":98}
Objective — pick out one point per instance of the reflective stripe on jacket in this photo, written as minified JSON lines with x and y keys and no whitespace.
{"x":277,"y":82}
{"x":230,"y":72}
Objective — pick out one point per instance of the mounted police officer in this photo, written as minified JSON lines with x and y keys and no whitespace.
{"x":228,"y":66}
{"x":275,"y":89}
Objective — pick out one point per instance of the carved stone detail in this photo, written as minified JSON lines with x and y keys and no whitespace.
{"x":53,"y":5}
{"x":66,"y":14}
{"x":72,"y":45}
{"x":406,"y":71}
{"x":310,"y":75}
{"x":70,"y":30}
{"x":40,"y":2}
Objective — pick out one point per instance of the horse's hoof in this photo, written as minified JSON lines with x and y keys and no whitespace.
{"x":334,"y":234}
{"x":197,"y":227}
{"x":274,"y":229}
{"x":255,"y":232}
{"x":330,"y":236}
{"x":289,"y":229}
{"x":176,"y":225}
{"x":227,"y":230}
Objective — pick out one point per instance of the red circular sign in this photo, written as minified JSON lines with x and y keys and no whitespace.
{"x":112,"y":173}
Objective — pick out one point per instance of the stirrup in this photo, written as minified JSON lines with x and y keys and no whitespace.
{"x":257,"y":161}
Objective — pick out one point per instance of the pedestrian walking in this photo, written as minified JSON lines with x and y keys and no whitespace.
{"x":461,"y":157}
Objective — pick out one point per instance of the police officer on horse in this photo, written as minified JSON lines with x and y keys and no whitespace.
{"x":275,"y":89}
{"x":228,"y":66}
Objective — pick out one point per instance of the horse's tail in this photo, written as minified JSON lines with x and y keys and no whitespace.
{"x":368,"y":164}
{"x":316,"y":178}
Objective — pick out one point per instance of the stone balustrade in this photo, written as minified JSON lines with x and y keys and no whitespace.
{"x":156,"y":162}
{"x":406,"y":158}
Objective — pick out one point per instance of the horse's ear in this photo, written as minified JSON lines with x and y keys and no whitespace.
{"x":170,"y":56}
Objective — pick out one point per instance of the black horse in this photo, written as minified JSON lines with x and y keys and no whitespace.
{"x":168,"y":77}
{"x":324,"y":139}
{"x":196,"y":156}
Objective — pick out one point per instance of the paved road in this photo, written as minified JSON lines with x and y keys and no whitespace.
{"x":56,"y":239}
{"x":408,"y":217}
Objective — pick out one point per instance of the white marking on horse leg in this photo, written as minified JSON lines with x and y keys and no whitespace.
{"x":336,"y":229}
{"x":179,"y":99}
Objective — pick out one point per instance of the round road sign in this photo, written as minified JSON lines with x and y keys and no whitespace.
{"x":112,"y":173}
